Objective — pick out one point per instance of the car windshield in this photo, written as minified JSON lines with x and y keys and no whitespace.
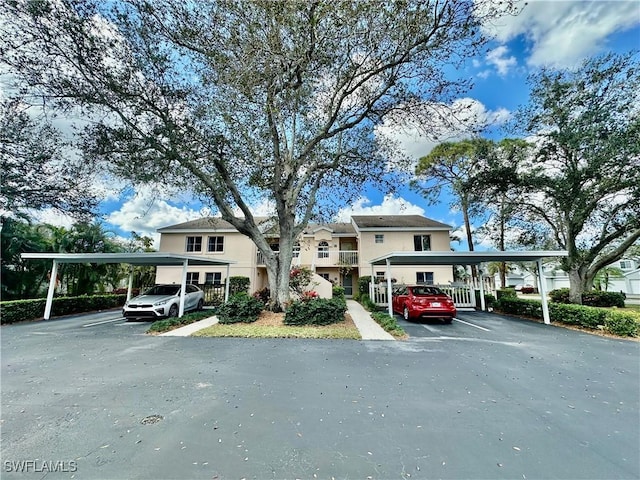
{"x":163,"y":290}
{"x":427,"y":291}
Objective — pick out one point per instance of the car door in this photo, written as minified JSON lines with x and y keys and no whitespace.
{"x":191,"y":298}
{"x":398,"y":298}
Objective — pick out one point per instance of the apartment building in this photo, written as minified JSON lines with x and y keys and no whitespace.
{"x":337,"y":252}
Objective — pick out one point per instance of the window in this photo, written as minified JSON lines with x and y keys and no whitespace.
{"x":325,"y":276}
{"x":213,"y":278}
{"x":379,"y":238}
{"x":323,"y":250}
{"x":275,"y":246}
{"x":626,"y":264}
{"x":296,"y":250}
{"x":379,"y":276}
{"x":194,"y":244}
{"x":193,"y":277}
{"x":215,"y":244}
{"x":424,"y":278}
{"x":422,"y":243}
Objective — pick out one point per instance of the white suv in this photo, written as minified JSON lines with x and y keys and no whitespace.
{"x":163,"y":301}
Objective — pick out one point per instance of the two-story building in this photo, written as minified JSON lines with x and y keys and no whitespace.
{"x":337,"y":252}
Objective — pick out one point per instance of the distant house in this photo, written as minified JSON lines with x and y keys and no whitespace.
{"x":338,"y":253}
{"x":628,"y":282}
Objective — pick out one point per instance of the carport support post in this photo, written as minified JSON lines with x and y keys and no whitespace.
{"x":371,"y":286}
{"x":226,"y":287}
{"x":130,"y":287}
{"x":183,"y":287}
{"x":481,"y":280}
{"x":52,"y":288}
{"x":389,"y":288}
{"x":543,"y":294}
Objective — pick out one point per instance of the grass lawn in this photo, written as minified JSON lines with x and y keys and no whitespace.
{"x":269,"y":325}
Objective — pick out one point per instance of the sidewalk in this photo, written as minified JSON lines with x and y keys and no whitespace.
{"x":368,"y":328}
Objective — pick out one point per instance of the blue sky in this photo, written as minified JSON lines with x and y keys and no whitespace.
{"x":546,"y":33}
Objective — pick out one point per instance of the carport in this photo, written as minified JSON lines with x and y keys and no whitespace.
{"x":142,"y":258}
{"x":468,"y":258}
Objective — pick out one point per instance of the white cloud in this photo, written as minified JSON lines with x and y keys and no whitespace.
{"x":562,"y":33}
{"x":447,"y":123}
{"x":498,"y":58}
{"x":146,"y":211}
{"x":391,"y":205}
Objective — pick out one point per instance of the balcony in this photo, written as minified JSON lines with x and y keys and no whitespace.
{"x":331,"y":258}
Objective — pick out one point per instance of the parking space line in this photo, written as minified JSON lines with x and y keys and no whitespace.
{"x":472,"y":325}
{"x":103,"y":321}
{"x":430,"y":329}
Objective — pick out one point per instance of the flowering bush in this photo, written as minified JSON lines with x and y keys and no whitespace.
{"x":299,"y":279}
{"x":308,"y":295}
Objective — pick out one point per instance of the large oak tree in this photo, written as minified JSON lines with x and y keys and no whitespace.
{"x":247,"y":100}
{"x":581,"y":185}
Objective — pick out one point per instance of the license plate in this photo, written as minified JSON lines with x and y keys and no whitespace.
{"x":436,"y":304}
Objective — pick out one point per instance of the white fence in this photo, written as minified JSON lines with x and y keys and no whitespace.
{"x":462,"y":295}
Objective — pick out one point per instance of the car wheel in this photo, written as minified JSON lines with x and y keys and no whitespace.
{"x":173,"y":311}
{"x":448,"y":320}
{"x":200,"y":304}
{"x":405,"y":313}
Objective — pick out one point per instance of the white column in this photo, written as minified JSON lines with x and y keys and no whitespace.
{"x":226,"y":287}
{"x":130,"y":287}
{"x":542,"y":288}
{"x":52,"y":288}
{"x":481,"y":280}
{"x":389,"y":303}
{"x":371,"y":287}
{"x":183,"y":287}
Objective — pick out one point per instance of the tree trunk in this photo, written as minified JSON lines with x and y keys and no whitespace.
{"x":578,"y":284}
{"x":467,"y":226}
{"x":278,"y":266}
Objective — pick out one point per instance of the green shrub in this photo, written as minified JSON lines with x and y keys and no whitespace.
{"x":621,"y":323}
{"x":388,"y":323}
{"x":367,"y":303}
{"x":239,"y":284}
{"x":363,"y":285}
{"x":581,"y":315}
{"x":240,"y":308}
{"x":598,"y":298}
{"x":167,"y":324}
{"x":20,"y":310}
{"x":615,"y":322}
{"x":519,"y":306}
{"x":506,"y":292}
{"x":338,"y":292}
{"x":319,"y":311}
{"x":594,"y":298}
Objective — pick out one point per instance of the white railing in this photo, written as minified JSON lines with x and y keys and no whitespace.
{"x":330,"y":258}
{"x":334,"y":257}
{"x":462,"y":296}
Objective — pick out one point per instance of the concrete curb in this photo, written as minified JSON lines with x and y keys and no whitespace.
{"x":191,"y":328}
{"x":368,"y":328}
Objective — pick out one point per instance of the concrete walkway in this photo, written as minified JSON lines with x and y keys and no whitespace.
{"x":368,"y":328}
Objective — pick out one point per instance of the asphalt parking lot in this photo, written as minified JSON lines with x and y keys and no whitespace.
{"x":485,"y":397}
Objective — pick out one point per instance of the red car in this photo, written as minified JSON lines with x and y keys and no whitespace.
{"x":423,"y":301}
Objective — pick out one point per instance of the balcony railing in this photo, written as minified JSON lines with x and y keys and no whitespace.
{"x":329,"y":258}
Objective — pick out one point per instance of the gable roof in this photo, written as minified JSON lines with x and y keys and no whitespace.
{"x":205,"y":224}
{"x":377,"y":222}
{"x":335,"y":228}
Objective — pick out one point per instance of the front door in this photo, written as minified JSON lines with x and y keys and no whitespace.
{"x":347,"y":284}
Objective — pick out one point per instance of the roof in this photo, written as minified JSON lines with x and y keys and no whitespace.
{"x":336,"y":228}
{"x":464,"y":258}
{"x":364,"y":222}
{"x":141,"y":258}
{"x":207,"y":224}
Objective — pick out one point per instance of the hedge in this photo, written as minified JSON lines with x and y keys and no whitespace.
{"x":239,"y":284}
{"x":240,"y":308}
{"x":319,"y":311}
{"x":594,"y":298}
{"x":20,"y":310}
{"x":613,"y":321}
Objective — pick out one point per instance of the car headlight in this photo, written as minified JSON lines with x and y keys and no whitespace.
{"x":160,"y":303}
